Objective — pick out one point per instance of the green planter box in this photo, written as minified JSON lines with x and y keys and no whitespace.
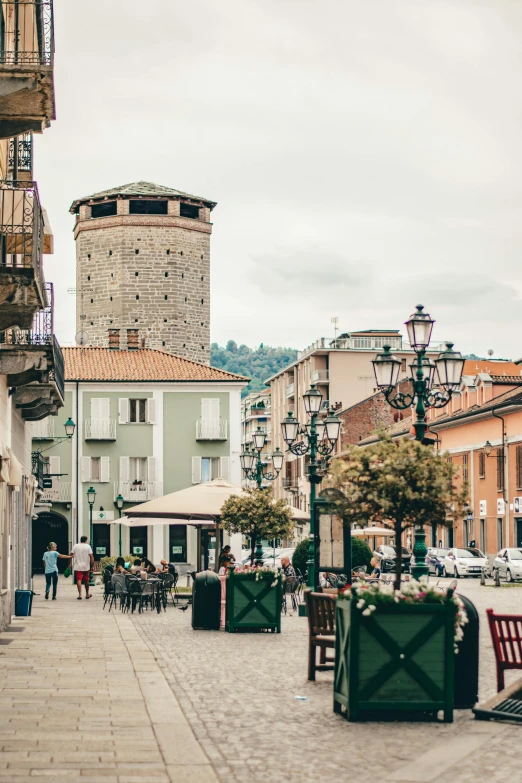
{"x":253,"y":604}
{"x":399,"y":659}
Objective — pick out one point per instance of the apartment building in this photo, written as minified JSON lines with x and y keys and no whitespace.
{"x":256,"y":413}
{"x":31,"y":362}
{"x":147,"y":423}
{"x":341,"y":369}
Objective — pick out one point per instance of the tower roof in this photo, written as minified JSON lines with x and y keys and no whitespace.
{"x":139,"y":189}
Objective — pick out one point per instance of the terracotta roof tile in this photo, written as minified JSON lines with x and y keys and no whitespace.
{"x":148,"y":364}
{"x":474,"y":366}
{"x":511,"y":379}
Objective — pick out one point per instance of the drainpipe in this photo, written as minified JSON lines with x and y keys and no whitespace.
{"x":505,"y":482}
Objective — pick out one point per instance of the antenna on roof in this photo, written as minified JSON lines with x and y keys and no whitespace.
{"x":491,"y":352}
{"x":335,"y":321}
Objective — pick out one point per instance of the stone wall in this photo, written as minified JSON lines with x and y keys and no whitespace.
{"x":361,"y":420}
{"x":146,"y":272}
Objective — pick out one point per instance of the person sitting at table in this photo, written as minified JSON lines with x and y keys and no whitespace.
{"x":119,"y":568}
{"x":147,"y":566}
{"x":135,"y":567}
{"x":226,"y":558}
{"x":376,"y":565}
{"x":163,"y":567}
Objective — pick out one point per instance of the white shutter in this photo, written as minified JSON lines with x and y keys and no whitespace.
{"x":224,"y":468}
{"x":210,"y":408}
{"x":151,"y":413}
{"x":205,"y":408}
{"x":196,"y":470}
{"x":152,"y":469}
{"x":105,"y":463}
{"x":105,"y":408}
{"x":215,"y":408}
{"x":54,"y":465}
{"x":124,"y":468}
{"x":95,"y":408}
{"x":123,"y":410}
{"x":86,"y":468}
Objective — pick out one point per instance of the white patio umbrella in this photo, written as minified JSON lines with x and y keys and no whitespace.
{"x":372,"y":531}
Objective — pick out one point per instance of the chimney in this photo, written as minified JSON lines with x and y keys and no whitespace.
{"x":142,"y":345}
{"x":132,"y":339}
{"x":114,"y":339}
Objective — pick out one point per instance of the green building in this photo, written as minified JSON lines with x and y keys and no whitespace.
{"x":147,"y":423}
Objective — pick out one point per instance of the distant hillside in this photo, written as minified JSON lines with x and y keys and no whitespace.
{"x":256,"y":363}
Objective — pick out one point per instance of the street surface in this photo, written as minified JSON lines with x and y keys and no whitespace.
{"x":92,"y":696}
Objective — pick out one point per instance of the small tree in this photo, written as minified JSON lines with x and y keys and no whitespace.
{"x":402,"y":483}
{"x":361,"y":553}
{"x":300,"y":558}
{"x":257,"y":515}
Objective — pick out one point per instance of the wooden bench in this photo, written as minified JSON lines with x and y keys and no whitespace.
{"x":506,"y":634}
{"x":320,"y":609}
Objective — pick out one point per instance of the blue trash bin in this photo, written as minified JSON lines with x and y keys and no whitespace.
{"x":23,"y":603}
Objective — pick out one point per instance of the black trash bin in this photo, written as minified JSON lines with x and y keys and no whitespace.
{"x":206,"y":602}
{"x":467,"y":660}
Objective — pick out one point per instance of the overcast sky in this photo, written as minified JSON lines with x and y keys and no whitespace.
{"x":365,"y":156}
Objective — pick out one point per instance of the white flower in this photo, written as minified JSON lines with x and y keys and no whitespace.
{"x":372,"y":607}
{"x":360,"y":604}
{"x":367,"y":612}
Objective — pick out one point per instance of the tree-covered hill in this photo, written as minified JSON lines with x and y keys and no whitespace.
{"x":256,"y":363}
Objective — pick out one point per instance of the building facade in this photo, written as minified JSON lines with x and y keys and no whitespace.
{"x":143,"y":260}
{"x":31,"y":362}
{"x":147,"y":423}
{"x":256,"y":413}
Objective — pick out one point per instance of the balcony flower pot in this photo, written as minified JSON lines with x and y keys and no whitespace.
{"x":394,"y":651}
{"x":254,"y":599}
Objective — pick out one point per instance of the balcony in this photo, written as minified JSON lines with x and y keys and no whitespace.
{"x":138,"y":492}
{"x":26,"y":66}
{"x":100,"y":429}
{"x":43,"y":429}
{"x":290,"y":389}
{"x":60,"y":492}
{"x":33,"y":362}
{"x":38,"y":468}
{"x":22,"y":287}
{"x":290,"y":484}
{"x":320,"y":376}
{"x":20,"y":158}
{"x":211,"y":429}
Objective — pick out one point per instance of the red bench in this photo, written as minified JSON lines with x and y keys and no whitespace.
{"x":506,"y":633}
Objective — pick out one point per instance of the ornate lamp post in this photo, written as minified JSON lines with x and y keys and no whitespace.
{"x":119,"y":505}
{"x":255,"y":469}
{"x":91,"y":497}
{"x":319,"y":437}
{"x":432,"y":383}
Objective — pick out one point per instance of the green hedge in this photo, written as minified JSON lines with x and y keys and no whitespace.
{"x":105,"y":561}
{"x":361,"y":553}
{"x":301,"y":556}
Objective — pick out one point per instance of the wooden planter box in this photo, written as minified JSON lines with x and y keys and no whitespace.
{"x":253,"y":604}
{"x":399,"y":659}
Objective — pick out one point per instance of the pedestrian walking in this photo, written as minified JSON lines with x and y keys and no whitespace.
{"x":83,"y":564}
{"x":50,"y":559}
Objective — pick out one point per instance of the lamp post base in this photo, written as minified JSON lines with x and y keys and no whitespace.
{"x":419,"y":567}
{"x":92,"y":583}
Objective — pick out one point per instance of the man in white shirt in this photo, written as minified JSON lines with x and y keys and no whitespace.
{"x":83,"y":564}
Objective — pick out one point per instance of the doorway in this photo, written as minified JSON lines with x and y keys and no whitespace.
{"x":519,"y":532}
{"x":49,"y":526}
{"x":208,"y":550}
{"x":101,"y":540}
{"x":138,"y":541}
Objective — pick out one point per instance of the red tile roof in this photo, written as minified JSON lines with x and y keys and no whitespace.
{"x":474,"y":366}
{"x":147,"y":364}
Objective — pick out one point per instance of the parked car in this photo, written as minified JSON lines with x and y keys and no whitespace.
{"x":467,"y":561}
{"x":435,"y":560}
{"x":509,"y":563}
{"x":389,"y":558}
{"x":269,"y":560}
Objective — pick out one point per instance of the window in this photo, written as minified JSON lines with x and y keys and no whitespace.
{"x":482,"y":465}
{"x":106,"y":209}
{"x":189,"y":211}
{"x":137,"y":472}
{"x":500,"y":470}
{"x":148,"y":207}
{"x":100,"y":408}
{"x":500,"y":533}
{"x":95,"y":469}
{"x":177,"y":544}
{"x":209,"y":468}
{"x":519,"y":466}
{"x":137,"y":411}
{"x":465,"y":470}
{"x":138,"y":469}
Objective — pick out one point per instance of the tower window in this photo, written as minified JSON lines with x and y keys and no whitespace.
{"x":181,"y":252}
{"x":164,"y":320}
{"x":137,"y":296}
{"x":135,"y":320}
{"x":146,"y":207}
{"x":166,"y":297}
{"x":184,"y":345}
{"x":202,"y":278}
{"x":166,"y":274}
{"x":136,"y":274}
{"x":92,"y":301}
{"x":112,"y":275}
{"x":182,"y":275}
{"x":106,"y":209}
{"x":136,"y":251}
{"x":88,"y":277}
{"x":202,"y":258}
{"x":163,"y":343}
{"x":202,"y":301}
{"x":110,"y":298}
{"x":189,"y":211}
{"x":88,"y":255}
{"x":185,"y":299}
{"x":168,"y":252}
{"x":110,"y":252}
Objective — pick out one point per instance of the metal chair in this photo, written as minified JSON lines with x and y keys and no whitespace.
{"x":119,"y":584}
{"x":290,"y":587}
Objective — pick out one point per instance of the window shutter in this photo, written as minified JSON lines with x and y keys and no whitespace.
{"x":214,"y":408}
{"x":86,"y":468}
{"x":124,"y":468}
{"x":519,"y":466}
{"x":105,"y":463}
{"x":123,"y":410}
{"x":54,"y":465}
{"x":151,"y":411}
{"x":105,"y":408}
{"x":152,"y":470}
{"x":95,"y":408}
{"x":196,"y":470}
{"x":224,"y":468}
{"x":205,"y":407}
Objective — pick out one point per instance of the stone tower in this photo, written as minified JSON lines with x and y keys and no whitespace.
{"x":143,"y":262}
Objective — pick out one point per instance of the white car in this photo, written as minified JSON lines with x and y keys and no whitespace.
{"x":467,"y":561}
{"x":509,"y":563}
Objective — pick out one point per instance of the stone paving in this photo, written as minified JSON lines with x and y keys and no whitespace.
{"x":92,"y":696}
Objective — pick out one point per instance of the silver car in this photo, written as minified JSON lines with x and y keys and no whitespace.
{"x":509,"y":564}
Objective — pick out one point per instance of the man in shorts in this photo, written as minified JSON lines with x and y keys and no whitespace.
{"x":83,"y":564}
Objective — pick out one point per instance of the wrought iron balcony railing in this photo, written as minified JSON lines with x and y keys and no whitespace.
{"x":22,"y":161}
{"x":44,"y":429}
{"x":38,"y":467}
{"x":211,"y":429}
{"x":21,"y":227}
{"x":26,"y":33}
{"x":100,"y":429}
{"x":60,"y":492}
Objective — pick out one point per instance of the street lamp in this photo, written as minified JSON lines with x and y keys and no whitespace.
{"x":318,"y":438}
{"x":432,"y":383}
{"x":119,"y":505}
{"x":91,"y":497}
{"x":69,"y":427}
{"x":255,"y":469}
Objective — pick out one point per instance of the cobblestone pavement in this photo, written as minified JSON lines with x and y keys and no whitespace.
{"x":82,"y":698}
{"x":239,"y":691}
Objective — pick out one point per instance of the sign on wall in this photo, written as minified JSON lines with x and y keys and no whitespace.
{"x":483,"y":508}
{"x":137,"y":550}
{"x":501,"y":507}
{"x":103,"y":516}
{"x":517,"y":503}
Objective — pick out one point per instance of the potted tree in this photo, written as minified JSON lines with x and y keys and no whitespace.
{"x":254,"y":596}
{"x":395,"y":643}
